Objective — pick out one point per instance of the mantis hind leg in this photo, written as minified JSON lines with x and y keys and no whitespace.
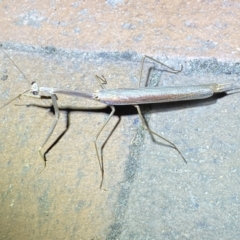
{"x":152,"y":132}
{"x":169,"y":69}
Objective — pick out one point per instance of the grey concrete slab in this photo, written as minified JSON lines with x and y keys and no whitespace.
{"x":152,"y":193}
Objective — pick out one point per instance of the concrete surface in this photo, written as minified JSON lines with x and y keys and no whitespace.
{"x":151,"y":193}
{"x":202,"y":28}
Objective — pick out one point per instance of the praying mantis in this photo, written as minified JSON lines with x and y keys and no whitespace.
{"x":125,"y":96}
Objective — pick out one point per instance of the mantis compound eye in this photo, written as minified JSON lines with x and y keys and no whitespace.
{"x":35,"y":88}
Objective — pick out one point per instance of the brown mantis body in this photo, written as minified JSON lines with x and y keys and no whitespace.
{"x":129,"y":96}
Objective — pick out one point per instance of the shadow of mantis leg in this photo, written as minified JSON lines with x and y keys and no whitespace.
{"x":151,"y":132}
{"x":99,"y":152}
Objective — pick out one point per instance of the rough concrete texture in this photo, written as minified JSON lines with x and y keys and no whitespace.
{"x":202,"y":28}
{"x":151,"y":193}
